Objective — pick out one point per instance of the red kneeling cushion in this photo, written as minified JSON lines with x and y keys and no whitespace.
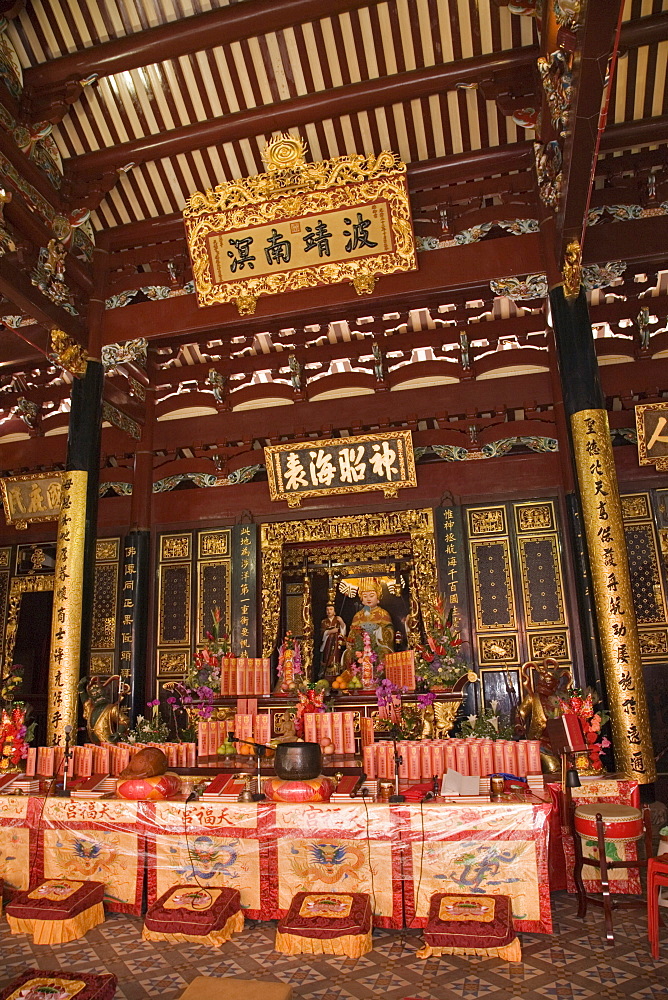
{"x":56,"y":899}
{"x":38,"y":984}
{"x":188,"y":909}
{"x":327,"y":915}
{"x":459,"y":921}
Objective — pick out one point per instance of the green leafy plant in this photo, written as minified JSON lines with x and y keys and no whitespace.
{"x":487,"y":724}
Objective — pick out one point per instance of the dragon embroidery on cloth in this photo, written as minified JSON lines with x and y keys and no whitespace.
{"x":476,"y":870}
{"x":207,"y":857}
{"x":88,"y":856}
{"x":335,"y":862}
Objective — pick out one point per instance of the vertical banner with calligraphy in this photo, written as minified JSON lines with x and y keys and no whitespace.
{"x":452,"y":574}
{"x":615,"y":613}
{"x":74,"y":578}
{"x":244,"y":590}
{"x":67,"y":608}
{"x":134,"y":617}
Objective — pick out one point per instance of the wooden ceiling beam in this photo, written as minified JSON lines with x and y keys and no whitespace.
{"x":123,"y":401}
{"x":381,"y":92}
{"x":422,"y":177}
{"x":430,"y":175}
{"x":353,"y":349}
{"x":28,"y":171}
{"x":628,"y":135}
{"x":30,"y":224}
{"x":514,"y":392}
{"x":16,"y":286}
{"x":642,"y":31}
{"x":636,"y":241}
{"x":595,"y":55}
{"x":19,"y":351}
{"x":455,"y":267}
{"x":198,"y":33}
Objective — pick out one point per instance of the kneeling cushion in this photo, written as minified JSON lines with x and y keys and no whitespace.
{"x":329,"y":923}
{"x":192,"y":913}
{"x":471,"y":925}
{"x":58,"y":910}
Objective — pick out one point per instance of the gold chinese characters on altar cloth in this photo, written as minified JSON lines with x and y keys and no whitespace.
{"x":382,"y":461}
{"x":299,"y":225}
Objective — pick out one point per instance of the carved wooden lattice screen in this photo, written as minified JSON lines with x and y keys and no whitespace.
{"x":517,"y":582}
{"x":647,"y":575}
{"x":194,"y":577}
{"x":104,"y":640}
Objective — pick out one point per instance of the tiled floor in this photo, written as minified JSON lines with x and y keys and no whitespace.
{"x":572,"y":964}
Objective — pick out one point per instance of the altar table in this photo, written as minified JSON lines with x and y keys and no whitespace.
{"x":399,"y":854}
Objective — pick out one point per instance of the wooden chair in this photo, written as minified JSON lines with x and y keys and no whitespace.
{"x":604,"y":822}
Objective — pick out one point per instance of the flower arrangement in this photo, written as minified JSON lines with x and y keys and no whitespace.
{"x":16,"y":731}
{"x":404,"y":721}
{"x":202,"y":680}
{"x":439,"y":664}
{"x":487,"y":724}
{"x":311,"y":701}
{"x":582,"y":704}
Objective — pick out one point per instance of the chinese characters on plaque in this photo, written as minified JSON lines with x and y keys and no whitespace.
{"x":299,"y":225}
{"x":328,"y":236}
{"x":341,"y":465}
{"x":31,"y":498}
{"x":652,"y":431}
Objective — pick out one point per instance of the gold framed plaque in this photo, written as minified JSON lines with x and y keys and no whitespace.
{"x":383,"y":461}
{"x":31,"y":498}
{"x":652,"y":432}
{"x":299,"y":225}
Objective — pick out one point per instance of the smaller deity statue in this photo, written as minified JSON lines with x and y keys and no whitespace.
{"x":366,"y":660}
{"x":333,"y":631}
{"x":290,"y":672}
{"x":545,"y":684}
{"x":106,"y":717}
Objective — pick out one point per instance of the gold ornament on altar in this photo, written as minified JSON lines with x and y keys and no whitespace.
{"x":418,"y":525}
{"x":299,"y":225}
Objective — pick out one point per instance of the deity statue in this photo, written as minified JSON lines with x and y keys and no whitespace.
{"x":107,"y":719}
{"x":333,"y":630}
{"x":545,"y":684}
{"x":373,"y":620}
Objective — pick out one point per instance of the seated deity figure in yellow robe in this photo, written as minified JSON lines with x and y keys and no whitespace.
{"x":372,"y":619}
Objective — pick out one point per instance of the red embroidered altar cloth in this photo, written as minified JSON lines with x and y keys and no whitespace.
{"x":270,"y":851}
